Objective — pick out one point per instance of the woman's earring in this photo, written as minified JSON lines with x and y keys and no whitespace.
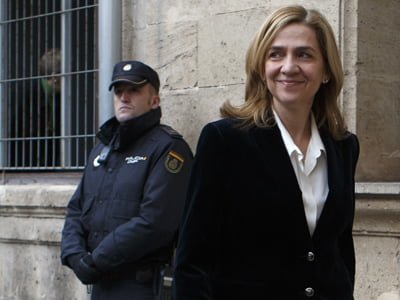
{"x":325,"y":81}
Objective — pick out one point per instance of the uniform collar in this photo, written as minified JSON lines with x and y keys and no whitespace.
{"x":129,"y":131}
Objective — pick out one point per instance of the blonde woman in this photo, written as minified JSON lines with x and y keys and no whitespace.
{"x":270,"y":206}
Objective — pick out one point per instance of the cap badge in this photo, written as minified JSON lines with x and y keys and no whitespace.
{"x":127,"y":67}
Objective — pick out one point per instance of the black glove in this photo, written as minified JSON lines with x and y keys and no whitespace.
{"x":84,"y":268}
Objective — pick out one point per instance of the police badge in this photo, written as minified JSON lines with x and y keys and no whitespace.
{"x":174,"y":162}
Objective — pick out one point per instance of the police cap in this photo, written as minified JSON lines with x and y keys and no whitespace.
{"x":136,"y":73}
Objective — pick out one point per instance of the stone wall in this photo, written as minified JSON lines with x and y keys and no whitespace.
{"x":377,"y":242}
{"x":378,"y":95}
{"x":31,"y":218}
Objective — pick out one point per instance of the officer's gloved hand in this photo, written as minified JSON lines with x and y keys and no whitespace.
{"x":84,"y":268}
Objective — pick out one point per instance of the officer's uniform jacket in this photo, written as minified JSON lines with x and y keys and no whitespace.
{"x":126,"y":210}
{"x":244,"y":233}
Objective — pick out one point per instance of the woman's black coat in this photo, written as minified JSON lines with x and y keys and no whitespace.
{"x":244,"y":233}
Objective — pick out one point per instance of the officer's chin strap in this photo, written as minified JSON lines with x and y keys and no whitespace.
{"x":105,"y":152}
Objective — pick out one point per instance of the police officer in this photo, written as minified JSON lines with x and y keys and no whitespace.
{"x":122,"y":219}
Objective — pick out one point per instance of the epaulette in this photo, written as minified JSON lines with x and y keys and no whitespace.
{"x":170,"y":131}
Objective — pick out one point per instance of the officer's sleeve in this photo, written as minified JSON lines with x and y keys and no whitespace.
{"x":160,"y":211}
{"x":199,"y":232}
{"x":73,"y":233}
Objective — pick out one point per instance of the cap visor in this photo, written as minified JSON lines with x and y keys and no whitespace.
{"x":134,"y":83}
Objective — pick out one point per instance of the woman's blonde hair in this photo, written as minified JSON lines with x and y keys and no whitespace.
{"x":256,"y":110}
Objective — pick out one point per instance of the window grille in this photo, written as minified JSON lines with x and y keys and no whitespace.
{"x":48,"y":83}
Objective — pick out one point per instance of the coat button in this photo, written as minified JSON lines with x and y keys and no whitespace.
{"x":309,"y":292}
{"x":310,"y":256}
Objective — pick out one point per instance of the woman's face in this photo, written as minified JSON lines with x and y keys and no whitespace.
{"x":294,"y":67}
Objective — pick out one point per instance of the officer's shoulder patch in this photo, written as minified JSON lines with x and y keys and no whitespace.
{"x":170,"y":131}
{"x":174,"y":162}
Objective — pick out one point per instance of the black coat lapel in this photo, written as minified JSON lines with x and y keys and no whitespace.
{"x":335,"y":182}
{"x":277,"y":161}
{"x":276,"y":158}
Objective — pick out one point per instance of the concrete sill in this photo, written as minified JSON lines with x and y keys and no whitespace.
{"x":378,"y":188}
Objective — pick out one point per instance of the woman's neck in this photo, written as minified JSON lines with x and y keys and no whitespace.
{"x":297,"y":124}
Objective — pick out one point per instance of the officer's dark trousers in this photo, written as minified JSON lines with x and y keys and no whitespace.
{"x":123,"y":289}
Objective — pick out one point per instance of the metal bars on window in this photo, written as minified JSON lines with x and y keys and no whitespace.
{"x":48,"y":83}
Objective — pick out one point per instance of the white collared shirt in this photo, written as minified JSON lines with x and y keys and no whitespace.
{"x":311,"y":172}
